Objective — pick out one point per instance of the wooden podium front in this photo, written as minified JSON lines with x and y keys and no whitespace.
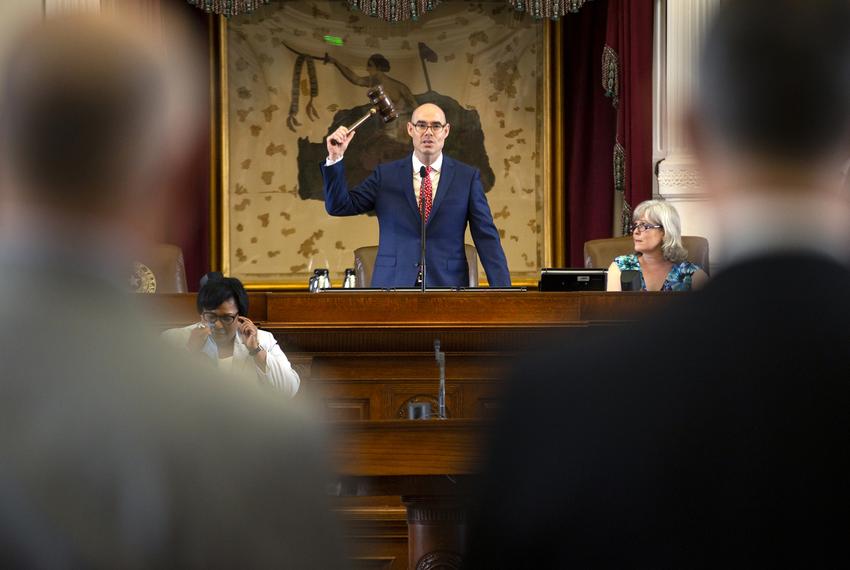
{"x":429,"y":464}
{"x":365,"y":356}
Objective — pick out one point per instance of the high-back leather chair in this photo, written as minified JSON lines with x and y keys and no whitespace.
{"x":601,"y":252}
{"x":364,"y":264}
{"x":160,"y":270}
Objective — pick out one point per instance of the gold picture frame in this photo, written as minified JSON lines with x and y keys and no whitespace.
{"x":552,"y":236}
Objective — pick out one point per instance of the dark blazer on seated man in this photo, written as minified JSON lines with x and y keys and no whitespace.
{"x":392,"y":191}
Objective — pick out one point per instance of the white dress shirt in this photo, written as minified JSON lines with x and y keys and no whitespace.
{"x":436,"y":168}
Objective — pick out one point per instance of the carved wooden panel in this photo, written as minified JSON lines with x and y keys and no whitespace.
{"x":433,"y":402}
{"x":381,"y":449}
{"x":398,"y":366}
{"x":436,"y":311}
{"x":346,"y":409}
{"x":390,"y":381}
{"x":374,"y":563}
{"x":356,"y":400}
{"x":487,"y":407}
{"x":410,"y":308}
{"x":401,"y":394}
{"x":389,"y":400}
{"x":376,"y":533}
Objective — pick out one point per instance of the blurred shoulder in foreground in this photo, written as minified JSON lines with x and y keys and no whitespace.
{"x":714,"y":434}
{"x":115,"y":453}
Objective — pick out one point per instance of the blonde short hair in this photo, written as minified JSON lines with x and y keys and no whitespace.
{"x":663,"y":213}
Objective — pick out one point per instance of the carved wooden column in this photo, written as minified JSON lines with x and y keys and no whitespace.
{"x":679,"y":31}
{"x":436,"y":532}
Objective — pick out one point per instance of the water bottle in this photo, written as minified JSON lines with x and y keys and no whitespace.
{"x":350,"y":281}
{"x":323,"y":278}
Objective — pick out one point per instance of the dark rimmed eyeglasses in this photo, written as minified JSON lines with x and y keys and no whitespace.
{"x":642,"y":227}
{"x":422,"y":128}
{"x":211,"y":318}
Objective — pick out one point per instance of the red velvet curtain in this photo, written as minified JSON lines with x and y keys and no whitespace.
{"x":188,"y":223}
{"x":594,"y":124}
{"x":629,"y":43}
{"x":590,"y":126}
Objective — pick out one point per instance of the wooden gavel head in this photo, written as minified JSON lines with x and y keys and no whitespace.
{"x":382,"y":104}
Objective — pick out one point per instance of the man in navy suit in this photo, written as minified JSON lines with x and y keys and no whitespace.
{"x":453,"y":196}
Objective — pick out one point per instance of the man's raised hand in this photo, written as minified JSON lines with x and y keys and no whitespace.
{"x":338,"y":141}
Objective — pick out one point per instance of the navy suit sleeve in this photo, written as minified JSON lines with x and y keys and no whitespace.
{"x":486,"y":236}
{"x":339,"y":200}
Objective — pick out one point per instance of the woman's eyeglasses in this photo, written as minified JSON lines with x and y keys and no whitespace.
{"x":211,"y":318}
{"x":642,"y":227}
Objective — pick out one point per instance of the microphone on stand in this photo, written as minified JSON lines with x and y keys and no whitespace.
{"x":441,"y":362}
{"x":422,"y":268}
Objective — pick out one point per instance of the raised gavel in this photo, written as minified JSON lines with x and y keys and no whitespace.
{"x":381,"y":104}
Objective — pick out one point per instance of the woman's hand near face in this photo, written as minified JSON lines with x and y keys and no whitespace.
{"x":198,"y":337}
{"x":248,"y":332}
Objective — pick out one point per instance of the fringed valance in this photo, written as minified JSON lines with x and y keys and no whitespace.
{"x":551,"y":9}
{"x":228,"y":7}
{"x":399,"y":10}
{"x":394,"y":10}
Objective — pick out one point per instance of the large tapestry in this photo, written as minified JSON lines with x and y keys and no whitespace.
{"x":297,"y":70}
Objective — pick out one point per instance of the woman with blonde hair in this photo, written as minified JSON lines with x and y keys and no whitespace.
{"x":659,"y":255}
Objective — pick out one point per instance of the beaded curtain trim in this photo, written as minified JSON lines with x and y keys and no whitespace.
{"x":398,"y":10}
{"x":228,"y":7}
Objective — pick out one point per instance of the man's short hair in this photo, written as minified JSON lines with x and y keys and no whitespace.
{"x":775,"y":77}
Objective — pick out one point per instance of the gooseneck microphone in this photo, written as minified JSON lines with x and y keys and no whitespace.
{"x":422,"y":269}
{"x":441,"y":395}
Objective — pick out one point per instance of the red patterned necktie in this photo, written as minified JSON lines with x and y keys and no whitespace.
{"x":426,"y":192}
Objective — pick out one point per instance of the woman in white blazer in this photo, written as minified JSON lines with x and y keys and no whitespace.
{"x":230,"y":340}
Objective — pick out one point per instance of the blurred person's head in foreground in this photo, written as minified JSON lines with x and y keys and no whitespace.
{"x":771,"y":125}
{"x":95,"y":117}
{"x":115,"y":453}
{"x":771,"y":116}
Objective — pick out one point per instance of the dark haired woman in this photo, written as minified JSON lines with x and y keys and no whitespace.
{"x":228,"y":337}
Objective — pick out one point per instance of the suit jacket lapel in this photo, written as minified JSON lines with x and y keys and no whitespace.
{"x":406,"y":176}
{"x":443,"y":187}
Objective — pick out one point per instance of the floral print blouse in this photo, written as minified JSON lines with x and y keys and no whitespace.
{"x":679,"y":278}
